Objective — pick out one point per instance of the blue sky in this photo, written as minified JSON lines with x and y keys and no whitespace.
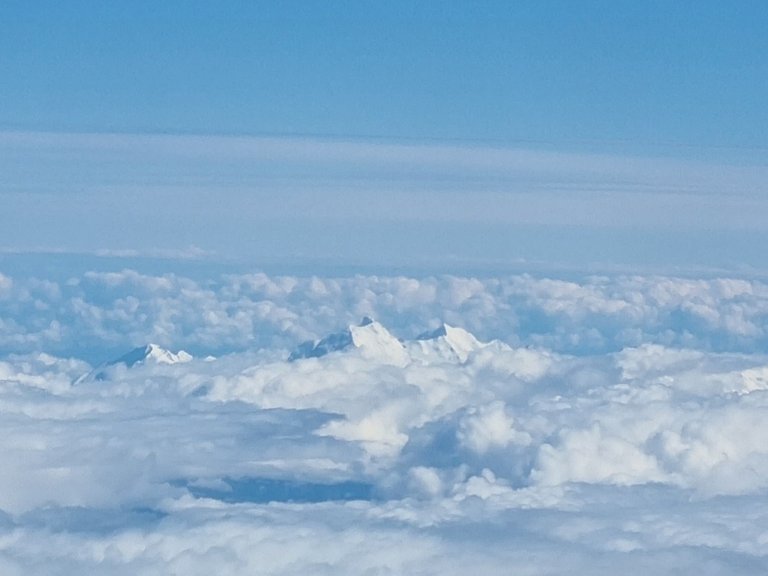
{"x":570,"y":74}
{"x":445,"y":134}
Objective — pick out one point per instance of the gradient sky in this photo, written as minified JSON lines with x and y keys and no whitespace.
{"x":604,"y":132}
{"x":690,"y":73}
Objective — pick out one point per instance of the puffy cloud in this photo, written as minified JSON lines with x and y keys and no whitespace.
{"x":489,"y":427}
{"x":99,"y":313}
{"x":647,"y":455}
{"x":594,"y":457}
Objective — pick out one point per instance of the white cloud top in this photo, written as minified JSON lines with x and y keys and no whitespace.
{"x":518,"y":424}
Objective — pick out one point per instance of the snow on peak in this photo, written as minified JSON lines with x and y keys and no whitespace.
{"x":149,"y":354}
{"x":372,"y":339}
{"x":448,"y":342}
{"x":153,"y":353}
{"x":375,"y":341}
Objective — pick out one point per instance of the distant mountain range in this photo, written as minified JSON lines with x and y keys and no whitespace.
{"x":148,"y":354}
{"x":369,"y":339}
{"x":372,"y":340}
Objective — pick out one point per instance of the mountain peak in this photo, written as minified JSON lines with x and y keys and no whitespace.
{"x":371,"y":338}
{"x":152,"y":352}
{"x":447,"y":340}
{"x":149,"y":353}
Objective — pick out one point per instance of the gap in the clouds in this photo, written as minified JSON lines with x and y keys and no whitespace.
{"x":265,"y":490}
{"x":90,"y":520}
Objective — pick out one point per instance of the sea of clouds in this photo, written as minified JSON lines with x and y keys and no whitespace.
{"x":596,"y":425}
{"x":96,"y":315}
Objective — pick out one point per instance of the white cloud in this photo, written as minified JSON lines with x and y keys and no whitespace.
{"x":528,"y":454}
{"x":401,"y":203}
{"x":592,"y":456}
{"x":490,"y":427}
{"x":102,"y":313}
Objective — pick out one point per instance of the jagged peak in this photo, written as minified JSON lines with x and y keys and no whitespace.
{"x":451,"y":332}
{"x":151,"y":352}
{"x":458,"y":341}
{"x":370,"y":337}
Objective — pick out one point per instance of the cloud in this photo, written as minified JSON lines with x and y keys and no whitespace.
{"x":490,"y":427}
{"x":359,"y":201}
{"x":617,"y":423}
{"x":98,"y":314}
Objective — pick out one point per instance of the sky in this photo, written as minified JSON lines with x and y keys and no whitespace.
{"x":324,"y":203}
{"x":444,"y":134}
{"x":688,"y":74}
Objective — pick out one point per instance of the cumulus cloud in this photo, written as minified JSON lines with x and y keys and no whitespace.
{"x":98,"y":314}
{"x":618,"y":418}
{"x":489,"y":427}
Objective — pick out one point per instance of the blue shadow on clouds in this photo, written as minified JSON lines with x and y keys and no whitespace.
{"x":265,"y":490}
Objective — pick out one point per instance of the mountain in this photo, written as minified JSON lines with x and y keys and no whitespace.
{"x":149,"y":354}
{"x":374,"y":341}
{"x":446,"y":342}
{"x":370,"y":338}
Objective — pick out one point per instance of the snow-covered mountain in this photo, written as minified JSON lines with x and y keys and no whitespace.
{"x":375,"y":342}
{"x":371,"y":339}
{"x":149,"y":354}
{"x":446,"y":342}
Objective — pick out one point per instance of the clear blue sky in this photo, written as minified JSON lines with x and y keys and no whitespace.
{"x":693,"y":73}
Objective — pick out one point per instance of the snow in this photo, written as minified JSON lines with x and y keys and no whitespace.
{"x":372,"y":340}
{"x":369,"y":338}
{"x":151,"y":353}
{"x":447,"y":342}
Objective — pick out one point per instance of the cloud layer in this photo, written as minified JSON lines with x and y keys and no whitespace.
{"x":595,"y":424}
{"x":288,"y":199}
{"x":99,"y":314}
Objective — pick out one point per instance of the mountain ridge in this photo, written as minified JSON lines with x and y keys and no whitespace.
{"x":374,"y":341}
{"x":137,"y":356}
